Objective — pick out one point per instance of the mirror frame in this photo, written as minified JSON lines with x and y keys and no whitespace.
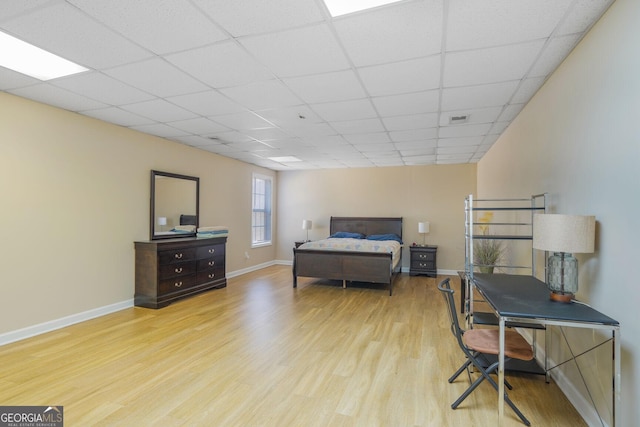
{"x":152,"y":222}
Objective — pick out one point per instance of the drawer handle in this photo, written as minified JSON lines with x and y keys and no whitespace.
{"x":212,"y":275}
{"x":178,"y":270}
{"x":212,"y":263}
{"x":211,"y":251}
{"x":423,"y":256}
{"x":178,"y":256}
{"x":178,"y":284}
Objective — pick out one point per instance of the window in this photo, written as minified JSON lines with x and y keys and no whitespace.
{"x":261,"y":211}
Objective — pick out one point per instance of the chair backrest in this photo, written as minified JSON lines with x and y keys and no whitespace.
{"x":445,"y":288}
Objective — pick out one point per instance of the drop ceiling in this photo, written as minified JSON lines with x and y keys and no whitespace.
{"x":254,"y":79}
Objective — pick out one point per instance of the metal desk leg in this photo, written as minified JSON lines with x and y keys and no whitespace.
{"x":501,"y":374}
{"x":617,"y":421}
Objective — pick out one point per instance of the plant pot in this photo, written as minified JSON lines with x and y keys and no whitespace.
{"x":486,"y":270}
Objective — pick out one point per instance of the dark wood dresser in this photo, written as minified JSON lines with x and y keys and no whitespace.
{"x":168,"y":270}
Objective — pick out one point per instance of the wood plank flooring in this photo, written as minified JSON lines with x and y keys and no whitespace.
{"x":260,"y":353}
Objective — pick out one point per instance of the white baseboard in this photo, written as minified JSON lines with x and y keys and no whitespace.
{"x":237,"y":273}
{"x":52,"y":325}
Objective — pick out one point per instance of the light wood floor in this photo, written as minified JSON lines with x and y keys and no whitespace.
{"x":260,"y":353}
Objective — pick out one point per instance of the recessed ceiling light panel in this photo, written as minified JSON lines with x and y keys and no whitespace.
{"x":28,"y":59}
{"x":343,"y":7}
{"x":285,"y":159}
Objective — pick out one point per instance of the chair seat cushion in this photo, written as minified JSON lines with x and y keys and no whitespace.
{"x":488,"y":340}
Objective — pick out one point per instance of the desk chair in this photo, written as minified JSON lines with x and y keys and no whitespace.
{"x":476,"y":342}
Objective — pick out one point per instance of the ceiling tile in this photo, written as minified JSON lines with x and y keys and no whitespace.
{"x":12,"y":80}
{"x":557,"y":49}
{"x":358,"y":126}
{"x":102,"y":88}
{"x":221,"y":65}
{"x":403,"y":31}
{"x":66,"y":31}
{"x":479,"y":24}
{"x":379,"y":138}
{"x":296,"y":116}
{"x":464,"y":130}
{"x":242,"y":121}
{"x":527,"y":89}
{"x":157,"y":77}
{"x":308,"y":50}
{"x":188,"y":26}
{"x":413,"y":135}
{"x":410,"y":103}
{"x":510,"y":112}
{"x":209,"y":103}
{"x":457,"y":142}
{"x":262,"y":95}
{"x":159,"y":129}
{"x":118,"y":116}
{"x":327,"y":87}
{"x":474,"y":116}
{"x":490,"y":65}
{"x":345,"y":110}
{"x":58,"y":97}
{"x":198,"y":126}
{"x":414,"y":121}
{"x":478,"y":96}
{"x":159,"y":110}
{"x":402,"y":77}
{"x":245,"y":17}
{"x":583,"y":14}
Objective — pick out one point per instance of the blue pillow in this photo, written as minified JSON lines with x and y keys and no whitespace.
{"x":385,"y":237}
{"x":346,"y":235}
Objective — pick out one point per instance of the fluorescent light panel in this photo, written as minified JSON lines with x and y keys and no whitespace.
{"x":342,"y":7}
{"x":28,"y":59}
{"x":285,"y":159}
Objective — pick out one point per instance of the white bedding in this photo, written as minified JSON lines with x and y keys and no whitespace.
{"x":358,"y":245}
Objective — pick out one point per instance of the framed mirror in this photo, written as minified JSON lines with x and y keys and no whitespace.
{"x":175,"y":203}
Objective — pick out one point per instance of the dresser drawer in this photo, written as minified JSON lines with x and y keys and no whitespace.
{"x":176,"y":284}
{"x":215,"y":262}
{"x":422,"y":256}
{"x":176,"y":255}
{"x":177,"y":269}
{"x":210,"y":251}
{"x":210,"y":275}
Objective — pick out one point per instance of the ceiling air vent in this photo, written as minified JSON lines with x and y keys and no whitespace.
{"x":458,"y":119}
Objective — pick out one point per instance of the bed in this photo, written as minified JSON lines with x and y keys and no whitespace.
{"x":351,"y":265}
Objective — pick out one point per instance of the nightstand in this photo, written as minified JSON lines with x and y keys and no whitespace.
{"x":423,"y":260}
{"x":298,"y":243}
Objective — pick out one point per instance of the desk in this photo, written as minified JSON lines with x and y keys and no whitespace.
{"x":526,"y":299}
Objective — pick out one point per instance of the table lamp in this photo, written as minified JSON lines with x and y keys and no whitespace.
{"x":563,"y":235}
{"x":423,"y":228}
{"x":162,"y":221}
{"x":306,"y":225}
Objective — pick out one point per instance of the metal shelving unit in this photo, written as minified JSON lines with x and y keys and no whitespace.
{"x":511,"y":224}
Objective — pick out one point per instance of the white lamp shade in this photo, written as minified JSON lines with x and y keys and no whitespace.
{"x":564,"y":233}
{"x":162,"y":220}
{"x":306,"y":224}
{"x":423,"y":227}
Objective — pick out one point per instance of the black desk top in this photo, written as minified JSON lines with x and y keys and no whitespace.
{"x":528,"y":298}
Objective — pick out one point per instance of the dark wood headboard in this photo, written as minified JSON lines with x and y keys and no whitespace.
{"x":366,"y":225}
{"x":188,"y":220}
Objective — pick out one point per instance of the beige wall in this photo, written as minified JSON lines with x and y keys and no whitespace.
{"x":416,"y":193}
{"x":75,"y":196}
{"x":578,"y":140}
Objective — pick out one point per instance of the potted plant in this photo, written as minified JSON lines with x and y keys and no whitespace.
{"x":486,"y":252}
